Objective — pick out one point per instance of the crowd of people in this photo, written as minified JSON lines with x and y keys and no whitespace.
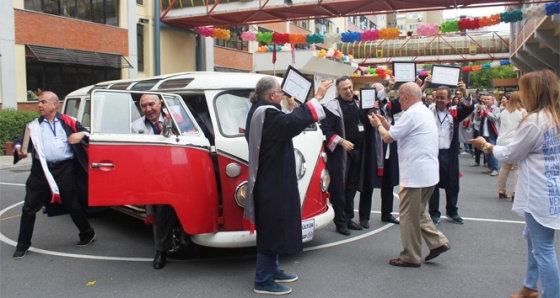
{"x":429,"y":134}
{"x":367,"y":149}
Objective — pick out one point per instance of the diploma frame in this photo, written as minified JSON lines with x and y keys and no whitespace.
{"x":404,"y":71}
{"x":445,"y":75}
{"x":296,"y":84}
{"x":367,"y":98}
{"x":25,"y":141}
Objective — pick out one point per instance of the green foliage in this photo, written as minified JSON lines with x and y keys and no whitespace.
{"x":482,"y":79}
{"x":12,"y":124}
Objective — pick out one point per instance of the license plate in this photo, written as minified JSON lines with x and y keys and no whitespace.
{"x":307,"y":229}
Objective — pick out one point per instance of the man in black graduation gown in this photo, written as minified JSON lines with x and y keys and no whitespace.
{"x":381,"y":168}
{"x":273,"y":202}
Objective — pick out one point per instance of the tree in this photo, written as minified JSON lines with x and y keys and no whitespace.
{"x":482,"y":79}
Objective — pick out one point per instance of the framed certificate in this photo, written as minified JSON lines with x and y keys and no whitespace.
{"x":443,"y":75}
{"x":404,"y":71}
{"x":367,"y":98}
{"x":296,"y":84}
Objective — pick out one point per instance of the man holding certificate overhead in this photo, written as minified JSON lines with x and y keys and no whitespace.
{"x":273,"y":204}
{"x":448,"y":121}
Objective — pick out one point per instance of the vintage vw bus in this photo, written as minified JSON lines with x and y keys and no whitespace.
{"x":198,"y":165}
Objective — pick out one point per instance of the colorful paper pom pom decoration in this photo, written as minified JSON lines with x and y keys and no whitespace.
{"x":533,"y":12}
{"x":249,"y":36}
{"x":552,"y":8}
{"x":332,"y":38}
{"x":221,"y":34}
{"x":280,"y":37}
{"x":204,"y":31}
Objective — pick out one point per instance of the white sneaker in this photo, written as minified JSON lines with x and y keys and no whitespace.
{"x":494,"y":173}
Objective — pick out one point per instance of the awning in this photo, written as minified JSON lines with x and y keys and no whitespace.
{"x":66,"y":56}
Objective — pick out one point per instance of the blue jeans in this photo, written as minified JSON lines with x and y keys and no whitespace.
{"x":468,"y":147}
{"x":490,"y":159}
{"x":541,"y":258}
{"x":267,"y":265}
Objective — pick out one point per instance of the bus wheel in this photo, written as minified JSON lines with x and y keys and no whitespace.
{"x":182,"y":246}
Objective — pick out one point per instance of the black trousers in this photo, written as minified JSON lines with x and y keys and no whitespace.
{"x":38,"y":193}
{"x":386,"y":195}
{"x":165,"y":219}
{"x":451,"y":194}
{"x":477,"y":152}
{"x":353,"y":164}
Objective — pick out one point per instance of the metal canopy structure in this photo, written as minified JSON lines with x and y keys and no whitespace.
{"x":221,"y":13}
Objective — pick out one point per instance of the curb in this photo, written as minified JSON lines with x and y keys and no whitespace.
{"x":6,"y":162}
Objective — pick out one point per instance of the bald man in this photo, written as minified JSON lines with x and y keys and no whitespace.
{"x":57,"y":173}
{"x":417,"y":135}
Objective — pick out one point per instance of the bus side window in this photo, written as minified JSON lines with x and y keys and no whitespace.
{"x":198,"y":108}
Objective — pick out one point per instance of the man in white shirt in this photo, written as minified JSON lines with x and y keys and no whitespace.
{"x":152,"y":120}
{"x":417,"y":135}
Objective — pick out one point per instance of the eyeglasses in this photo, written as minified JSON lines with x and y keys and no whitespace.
{"x":440,"y":97}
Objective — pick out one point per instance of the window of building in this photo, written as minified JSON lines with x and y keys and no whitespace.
{"x":401,"y":27}
{"x":303,"y":24}
{"x":63,"y":79}
{"x":99,"y":11}
{"x":140,"y":2}
{"x":235,"y":41}
{"x":323,"y":26}
{"x":140,"y":46}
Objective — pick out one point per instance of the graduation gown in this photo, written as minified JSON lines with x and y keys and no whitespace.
{"x":372,"y":179}
{"x":277,"y":206}
{"x":80,"y":161}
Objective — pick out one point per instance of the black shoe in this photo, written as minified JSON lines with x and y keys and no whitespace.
{"x":19,"y":254}
{"x":160,"y":259}
{"x":86,"y":241}
{"x":354,"y":226}
{"x":364,"y":223}
{"x":343,"y":230}
{"x":390,"y":218}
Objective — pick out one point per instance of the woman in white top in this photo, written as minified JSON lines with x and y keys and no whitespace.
{"x":510,"y":117}
{"x":536,"y":146}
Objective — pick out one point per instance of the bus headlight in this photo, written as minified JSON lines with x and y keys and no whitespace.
{"x":324,"y":156}
{"x":325,"y":180}
{"x":241,"y":194}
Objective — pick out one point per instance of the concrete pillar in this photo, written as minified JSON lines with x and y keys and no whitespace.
{"x":8,"y":58}
{"x":132,"y":40}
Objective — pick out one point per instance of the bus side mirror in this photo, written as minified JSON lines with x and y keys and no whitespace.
{"x":167,"y":127}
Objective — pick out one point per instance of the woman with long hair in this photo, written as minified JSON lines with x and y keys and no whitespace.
{"x":536,"y":147}
{"x":512,"y":114}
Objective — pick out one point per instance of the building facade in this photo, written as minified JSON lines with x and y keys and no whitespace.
{"x":64,"y":45}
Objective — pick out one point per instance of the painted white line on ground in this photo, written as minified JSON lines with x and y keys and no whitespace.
{"x":11,"y":242}
{"x":12,"y":184}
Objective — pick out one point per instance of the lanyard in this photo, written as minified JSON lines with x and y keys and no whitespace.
{"x":441,"y":121}
{"x":53,"y":127}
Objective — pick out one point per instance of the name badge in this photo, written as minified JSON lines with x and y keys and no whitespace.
{"x":360,"y":127}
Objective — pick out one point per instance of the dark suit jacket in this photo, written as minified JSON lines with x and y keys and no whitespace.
{"x":70,"y":126}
